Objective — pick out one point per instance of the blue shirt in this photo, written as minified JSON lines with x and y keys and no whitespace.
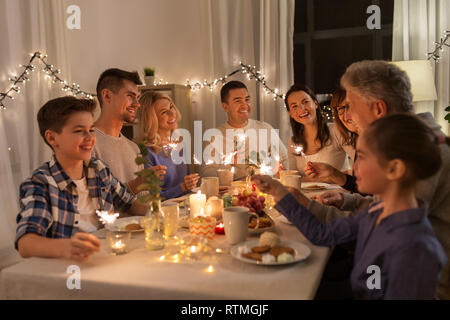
{"x":403,"y":246}
{"x":48,"y":199}
{"x":174,"y":176}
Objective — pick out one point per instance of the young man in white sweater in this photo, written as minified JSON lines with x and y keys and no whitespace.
{"x":244,"y":136}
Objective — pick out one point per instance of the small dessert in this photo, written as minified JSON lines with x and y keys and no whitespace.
{"x":285,"y":257}
{"x":133,"y":227}
{"x":243,"y":249}
{"x":261,"y":249}
{"x":269,"y":239}
{"x":268,"y":258}
{"x":276,"y":251}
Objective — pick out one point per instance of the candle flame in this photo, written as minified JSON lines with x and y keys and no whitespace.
{"x":210,"y":269}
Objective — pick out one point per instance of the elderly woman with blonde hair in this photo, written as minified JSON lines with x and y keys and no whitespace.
{"x":158,"y":118}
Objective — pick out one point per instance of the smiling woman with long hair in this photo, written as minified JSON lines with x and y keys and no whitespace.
{"x":313,"y":139}
{"x":158,"y":118}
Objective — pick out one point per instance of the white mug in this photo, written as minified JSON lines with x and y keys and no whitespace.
{"x":235,"y":221}
{"x":210,"y":186}
{"x":293,"y":181}
{"x":225,"y":177}
{"x":284,"y":173}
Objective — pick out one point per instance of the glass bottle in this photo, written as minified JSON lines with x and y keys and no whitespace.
{"x":154,"y":226}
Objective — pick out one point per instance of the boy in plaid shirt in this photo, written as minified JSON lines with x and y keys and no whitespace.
{"x":59,"y":200}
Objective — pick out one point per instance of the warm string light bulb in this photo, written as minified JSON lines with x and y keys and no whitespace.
{"x":50,"y":73}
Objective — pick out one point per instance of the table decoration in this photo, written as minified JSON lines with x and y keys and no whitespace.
{"x":202,"y":226}
{"x":151,"y":188}
{"x":219,"y":228}
{"x":197,"y":202}
{"x":118,"y":241}
{"x":214,"y":207}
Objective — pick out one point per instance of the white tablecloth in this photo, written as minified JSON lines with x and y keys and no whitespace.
{"x":140,"y":274}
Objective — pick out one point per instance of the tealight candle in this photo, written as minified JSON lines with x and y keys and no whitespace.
{"x":197,"y":202}
{"x":118,"y":242}
{"x":214,"y":207}
{"x":219,"y":229}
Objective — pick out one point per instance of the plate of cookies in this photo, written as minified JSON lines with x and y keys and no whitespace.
{"x":131,"y":224}
{"x":270,"y":251}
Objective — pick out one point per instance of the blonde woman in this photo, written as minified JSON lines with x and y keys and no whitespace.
{"x":158,"y":118}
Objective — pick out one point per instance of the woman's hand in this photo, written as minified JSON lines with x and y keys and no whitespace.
{"x":322,"y":172}
{"x":190,"y":182}
{"x":331,"y":198}
{"x":160,"y":170}
{"x":81,"y":246}
{"x":268,"y":185}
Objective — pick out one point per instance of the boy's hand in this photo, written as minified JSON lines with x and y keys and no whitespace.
{"x":268,"y":185}
{"x":81,"y":246}
{"x":332,"y":198}
{"x":160,"y":170}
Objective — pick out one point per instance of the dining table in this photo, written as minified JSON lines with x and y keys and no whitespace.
{"x":167,"y":274}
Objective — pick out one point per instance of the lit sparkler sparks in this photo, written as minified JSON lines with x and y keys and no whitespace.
{"x":106,"y":217}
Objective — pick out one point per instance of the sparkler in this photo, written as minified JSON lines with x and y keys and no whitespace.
{"x":106,"y":217}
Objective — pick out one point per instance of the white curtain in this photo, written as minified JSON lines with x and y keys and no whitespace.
{"x":417,"y":25}
{"x":25,"y":26}
{"x":259,"y":33}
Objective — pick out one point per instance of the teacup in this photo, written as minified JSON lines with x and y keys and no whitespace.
{"x":293,"y":181}
{"x":210,"y":186}
{"x":284,"y":173}
{"x":235,"y":220}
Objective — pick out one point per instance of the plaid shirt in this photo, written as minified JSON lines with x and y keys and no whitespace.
{"x":48,"y":200}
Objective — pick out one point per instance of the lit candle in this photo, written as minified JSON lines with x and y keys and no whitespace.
{"x":118,"y":245}
{"x":219,"y":229}
{"x":197,"y":202}
{"x":214,"y":207}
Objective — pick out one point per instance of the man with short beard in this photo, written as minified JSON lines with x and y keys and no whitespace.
{"x":118,"y":96}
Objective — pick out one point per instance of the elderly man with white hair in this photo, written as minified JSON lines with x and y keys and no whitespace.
{"x":375,"y":89}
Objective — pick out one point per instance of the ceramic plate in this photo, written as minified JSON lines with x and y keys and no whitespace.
{"x":301,"y":252}
{"x":261,"y":230}
{"x":120,"y":224}
{"x":314,"y":186}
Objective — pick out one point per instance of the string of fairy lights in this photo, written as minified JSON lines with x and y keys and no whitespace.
{"x":252,"y":73}
{"x":50,"y":73}
{"x":439,"y":46}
